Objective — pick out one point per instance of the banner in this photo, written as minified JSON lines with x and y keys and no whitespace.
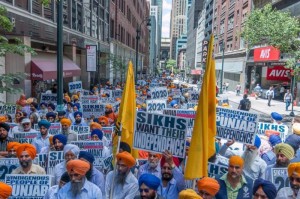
{"x":80,"y":129}
{"x":8,"y":109}
{"x":156,"y":106}
{"x":280,"y":178}
{"x":74,"y":86}
{"x":24,"y":137}
{"x":157,"y":133}
{"x":160,"y":92}
{"x":84,"y":136}
{"x":117,"y":93}
{"x":91,"y":58}
{"x":278,"y":73}
{"x":54,"y":158}
{"x":235,"y":124}
{"x":107,"y":132}
{"x":281,"y":128}
{"x":28,"y":186}
{"x":91,"y":106}
{"x":42,"y":160}
{"x":216,"y":170}
{"x":194,"y":96}
{"x":54,"y":129}
{"x":7,"y":166}
{"x":49,"y":98}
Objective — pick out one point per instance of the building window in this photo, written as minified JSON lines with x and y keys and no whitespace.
{"x":24,"y":5}
{"x":230,"y":22}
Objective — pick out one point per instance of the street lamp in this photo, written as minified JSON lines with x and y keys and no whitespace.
{"x":60,"y":56}
{"x":292,"y":114}
{"x":138,"y":31}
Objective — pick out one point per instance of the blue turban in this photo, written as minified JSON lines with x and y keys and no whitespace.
{"x":149,"y":180}
{"x":257,"y":142}
{"x":274,"y":139}
{"x":77,"y":105}
{"x":276,"y":116}
{"x":44,"y":123}
{"x":294,"y":141}
{"x":61,"y":113}
{"x":77,"y":113}
{"x":73,"y":148}
{"x":62,"y":138}
{"x":98,"y":132}
{"x":52,"y":106}
{"x":86,"y":155}
{"x":50,"y":114}
{"x":173,"y":102}
{"x":71,"y":104}
{"x":268,"y":187}
{"x":43,"y":103}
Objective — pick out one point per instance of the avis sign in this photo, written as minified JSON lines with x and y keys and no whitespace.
{"x":278,"y":73}
{"x":268,"y":53}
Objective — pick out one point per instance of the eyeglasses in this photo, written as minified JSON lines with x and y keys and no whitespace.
{"x":296,"y":179}
{"x":144,"y":190}
{"x":25,"y":124}
{"x":102,"y":123}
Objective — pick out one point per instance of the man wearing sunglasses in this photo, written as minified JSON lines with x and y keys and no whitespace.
{"x":148,"y":185}
{"x":152,"y":166}
{"x":291,"y":192}
{"x":26,"y":125}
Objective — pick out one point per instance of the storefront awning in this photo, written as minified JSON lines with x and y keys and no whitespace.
{"x":44,"y":67}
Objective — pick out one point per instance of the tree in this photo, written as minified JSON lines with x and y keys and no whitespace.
{"x":16,"y":47}
{"x":276,"y":28}
{"x":170,"y":63}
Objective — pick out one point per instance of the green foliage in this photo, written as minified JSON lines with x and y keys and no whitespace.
{"x":272,"y":27}
{"x":171,"y":63}
{"x":7,"y":82}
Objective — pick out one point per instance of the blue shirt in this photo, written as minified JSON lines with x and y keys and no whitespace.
{"x":59,"y":170}
{"x":39,"y":142}
{"x":52,"y":192}
{"x":98,"y":180}
{"x":88,"y":191}
{"x":147,"y":169}
{"x":174,"y":186}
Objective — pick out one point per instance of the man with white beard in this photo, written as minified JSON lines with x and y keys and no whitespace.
{"x":152,"y":166}
{"x":79,"y":186}
{"x":254,"y":165}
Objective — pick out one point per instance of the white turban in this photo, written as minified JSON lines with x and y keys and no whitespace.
{"x":73,"y":148}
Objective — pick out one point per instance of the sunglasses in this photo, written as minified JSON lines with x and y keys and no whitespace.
{"x":296,"y":179}
{"x":144,"y":190}
{"x":25,"y":124}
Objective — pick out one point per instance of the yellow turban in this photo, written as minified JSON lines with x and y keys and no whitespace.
{"x":296,"y":128}
{"x":78,"y":166}
{"x":127,"y":158}
{"x":5,"y":190}
{"x":209,"y":185}
{"x":189,"y":194}
{"x":285,"y":149}
{"x":29,"y":148}
{"x":236,"y":160}
{"x":294,"y":168}
{"x":12,"y":145}
{"x":66,"y":121}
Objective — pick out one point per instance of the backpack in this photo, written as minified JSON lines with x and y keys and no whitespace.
{"x":247,"y":104}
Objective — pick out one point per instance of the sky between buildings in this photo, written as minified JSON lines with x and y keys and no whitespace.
{"x":167,"y":6}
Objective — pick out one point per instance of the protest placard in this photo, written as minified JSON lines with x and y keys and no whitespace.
{"x":84,"y":136}
{"x":153,"y":85}
{"x":281,"y":128}
{"x":117,"y":93}
{"x":25,"y":137}
{"x":7,"y":166}
{"x":280,"y":178}
{"x":140,"y":100}
{"x":54,"y":129}
{"x":221,"y":160}
{"x":175,"y":93}
{"x":216,"y":169}
{"x":186,"y":90}
{"x":91,"y":106}
{"x":107,"y":162}
{"x":236,"y":124}
{"x":156,"y":106}
{"x":43,"y":160}
{"x":157,"y":133}
{"x":191,"y":105}
{"x":54,"y":158}
{"x":190,"y":114}
{"x":194,"y":96}
{"x":28,"y":186}
{"x":107,"y":132}
{"x":80,"y":129}
{"x":8,"y":109}
{"x":159,"y":92}
{"x":49,"y":98}
{"x":74,"y":86}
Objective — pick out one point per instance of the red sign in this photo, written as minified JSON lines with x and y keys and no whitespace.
{"x":196,"y":72}
{"x":268,"y":53}
{"x":278,"y":73}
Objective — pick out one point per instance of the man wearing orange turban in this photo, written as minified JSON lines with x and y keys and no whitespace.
{"x":79,"y":186}
{"x":208,"y":187}
{"x":95,"y":125}
{"x":294,"y":177}
{"x":124,"y":183}
{"x":5,"y":190}
{"x":65,"y":130}
{"x":109,"y":113}
{"x":12,"y":148}
{"x":26,"y":154}
{"x":234,"y":183}
{"x":103,"y":121}
{"x":152,"y":166}
{"x":189,"y":194}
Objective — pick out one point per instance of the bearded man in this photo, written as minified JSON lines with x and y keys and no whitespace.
{"x":79,"y":186}
{"x":284,"y":154}
{"x":148,"y":184}
{"x":152,"y":166}
{"x":123,"y":182}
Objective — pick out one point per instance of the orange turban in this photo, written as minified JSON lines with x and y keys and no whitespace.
{"x":12,"y":145}
{"x":103,"y":118}
{"x":29,"y":148}
{"x":294,"y":168}
{"x":118,"y":99}
{"x":127,"y":158}
{"x":139,"y":106}
{"x":95,"y":125}
{"x":75,"y":97}
{"x":67,"y":98}
{"x":51,"y":139}
{"x":271,"y":132}
{"x":66,"y":121}
{"x":189,"y":194}
{"x":209,"y":185}
{"x":3,"y":118}
{"x":5,"y":190}
{"x":108,"y":106}
{"x":236,"y":160}
{"x":78,"y":166}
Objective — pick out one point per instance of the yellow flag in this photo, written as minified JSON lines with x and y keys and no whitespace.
{"x":203,"y":138}
{"x":127,"y":112}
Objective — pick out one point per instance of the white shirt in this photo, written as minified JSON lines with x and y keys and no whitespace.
{"x":286,"y":193}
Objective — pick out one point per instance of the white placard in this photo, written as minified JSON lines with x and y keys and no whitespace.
{"x":156,"y":106}
{"x":91,"y":58}
{"x":75,"y":86}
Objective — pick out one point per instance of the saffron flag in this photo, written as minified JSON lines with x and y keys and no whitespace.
{"x":127,"y":113}
{"x":203,"y":138}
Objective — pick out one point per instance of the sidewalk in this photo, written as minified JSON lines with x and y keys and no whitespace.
{"x":261,"y":105}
